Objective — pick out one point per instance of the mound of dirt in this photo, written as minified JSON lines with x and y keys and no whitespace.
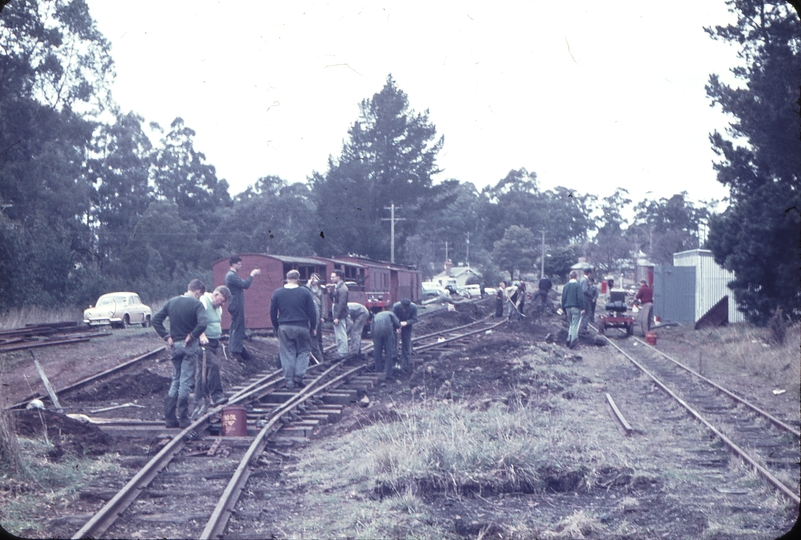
{"x":68,"y":436}
{"x":127,"y":386}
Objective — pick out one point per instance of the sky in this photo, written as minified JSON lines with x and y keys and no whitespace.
{"x":588,"y":95}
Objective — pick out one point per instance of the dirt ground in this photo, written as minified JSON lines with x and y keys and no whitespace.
{"x":650,"y":497}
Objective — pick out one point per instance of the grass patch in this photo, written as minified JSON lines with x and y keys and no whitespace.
{"x":385,"y":475}
{"x":19,"y":317}
{"x":40,"y":485}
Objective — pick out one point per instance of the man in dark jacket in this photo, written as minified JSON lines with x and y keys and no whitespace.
{"x":406,"y":312}
{"x":543,"y":287}
{"x":317,"y":293}
{"x":339,"y":311}
{"x":236,"y":306}
{"x":573,"y":304}
{"x":294,"y":318}
{"x":187,"y":321}
{"x":385,"y":326}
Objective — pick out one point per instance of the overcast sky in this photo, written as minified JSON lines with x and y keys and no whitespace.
{"x":589,"y":95}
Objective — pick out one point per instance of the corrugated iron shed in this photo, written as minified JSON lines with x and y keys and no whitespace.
{"x":711,"y":282}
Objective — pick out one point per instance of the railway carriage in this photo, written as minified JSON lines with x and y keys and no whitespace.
{"x":375,"y":284}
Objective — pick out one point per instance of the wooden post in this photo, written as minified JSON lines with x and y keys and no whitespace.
{"x":46,"y":382}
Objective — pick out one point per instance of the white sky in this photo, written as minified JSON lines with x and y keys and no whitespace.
{"x":589,"y":95}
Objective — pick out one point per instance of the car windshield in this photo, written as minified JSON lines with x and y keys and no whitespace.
{"x":105,"y":300}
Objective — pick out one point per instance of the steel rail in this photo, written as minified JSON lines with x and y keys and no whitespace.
{"x":215,"y":527}
{"x":107,"y":515}
{"x":778,"y":484}
{"x":737,"y":398}
{"x":91,"y":378}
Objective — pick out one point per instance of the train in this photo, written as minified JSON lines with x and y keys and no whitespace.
{"x":375,"y":284}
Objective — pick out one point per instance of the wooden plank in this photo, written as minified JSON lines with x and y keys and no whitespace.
{"x":626,"y":426}
{"x":46,"y":382}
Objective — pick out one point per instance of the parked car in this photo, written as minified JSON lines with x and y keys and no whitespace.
{"x":118,"y":309}
{"x":434,"y":293}
{"x":473,"y":291}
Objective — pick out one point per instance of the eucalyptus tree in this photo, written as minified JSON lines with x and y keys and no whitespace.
{"x":389,"y":158}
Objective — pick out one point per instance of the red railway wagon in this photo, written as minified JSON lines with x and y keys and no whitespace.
{"x":273,"y":273}
{"x":386,"y":283}
{"x":375,"y":284}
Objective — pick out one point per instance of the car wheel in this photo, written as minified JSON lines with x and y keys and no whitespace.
{"x":126,"y":322}
{"x":146,"y":322}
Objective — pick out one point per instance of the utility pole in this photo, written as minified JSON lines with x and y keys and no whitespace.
{"x":542,"y":263}
{"x":392,"y":219}
{"x":446,"y":251}
{"x":467,"y":258}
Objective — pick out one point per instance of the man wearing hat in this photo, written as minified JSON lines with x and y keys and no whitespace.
{"x":294,"y":317}
{"x":645,"y":299}
{"x":406,"y":312}
{"x":317,"y":293}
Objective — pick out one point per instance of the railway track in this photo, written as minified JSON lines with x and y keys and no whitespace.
{"x":767,"y":444}
{"x":172,"y":479}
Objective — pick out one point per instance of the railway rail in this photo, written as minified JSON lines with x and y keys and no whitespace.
{"x":766,"y":443}
{"x":272,"y":410}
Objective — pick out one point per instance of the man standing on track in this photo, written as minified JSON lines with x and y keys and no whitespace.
{"x":543,"y":287}
{"x":406,"y":312}
{"x":339,"y":311}
{"x":586,"y":290}
{"x":358,"y":318}
{"x":317,"y":293}
{"x":385,"y":326}
{"x":294,"y":318}
{"x":645,"y":299}
{"x":187,"y":321}
{"x":236,"y":307}
{"x":573,"y":304}
{"x":208,"y":388}
{"x":500,"y":299}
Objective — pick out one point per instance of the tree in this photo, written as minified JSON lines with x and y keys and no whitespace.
{"x":757,"y":237}
{"x":667,"y":226}
{"x":120,"y":174}
{"x":610,"y":247}
{"x":516,"y":251}
{"x":181,"y":175}
{"x":390,"y":157}
{"x":279,"y":220}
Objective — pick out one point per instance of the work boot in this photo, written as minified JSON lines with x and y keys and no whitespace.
{"x":183,"y":413}
{"x":219,"y":400}
{"x":169,"y":411}
{"x":245,"y":355}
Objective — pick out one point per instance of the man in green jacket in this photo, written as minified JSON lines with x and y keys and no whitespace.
{"x":573,"y":304}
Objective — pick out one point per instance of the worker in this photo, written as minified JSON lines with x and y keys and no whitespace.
{"x":358,"y":316}
{"x":645,"y":300}
{"x":406,"y":311}
{"x":385,"y":326}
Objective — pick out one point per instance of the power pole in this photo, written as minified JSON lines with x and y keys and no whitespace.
{"x":392,"y":219}
{"x":542,"y":263}
{"x":467,"y":258}
{"x":446,"y":251}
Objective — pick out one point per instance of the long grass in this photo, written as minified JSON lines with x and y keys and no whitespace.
{"x":19,"y":317}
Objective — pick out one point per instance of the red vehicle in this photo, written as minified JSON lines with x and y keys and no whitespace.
{"x":616,"y":314}
{"x":375,"y":284}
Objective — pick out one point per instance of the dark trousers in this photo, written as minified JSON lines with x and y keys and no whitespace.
{"x":317,"y":342}
{"x":294,"y":344}
{"x":384,"y":347}
{"x":236,"y":339}
{"x":213,"y":387}
{"x":406,"y":348}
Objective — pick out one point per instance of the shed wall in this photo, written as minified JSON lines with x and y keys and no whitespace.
{"x":710,"y":283}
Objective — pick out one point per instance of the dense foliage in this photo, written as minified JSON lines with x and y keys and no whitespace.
{"x":758,"y":236}
{"x":95,"y":199}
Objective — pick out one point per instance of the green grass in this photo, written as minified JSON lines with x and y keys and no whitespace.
{"x":46,"y":485}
